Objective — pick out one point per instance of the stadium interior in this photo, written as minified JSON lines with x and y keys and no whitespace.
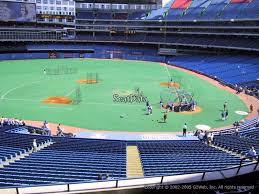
{"x":218,"y":39}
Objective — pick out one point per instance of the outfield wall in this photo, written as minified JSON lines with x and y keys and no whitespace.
{"x":99,"y":55}
{"x":18,"y":56}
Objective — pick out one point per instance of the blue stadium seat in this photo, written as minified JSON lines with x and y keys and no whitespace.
{"x":228,"y":69}
{"x":68,"y":160}
{"x":214,"y":9}
{"x":177,"y":157}
{"x":196,"y":9}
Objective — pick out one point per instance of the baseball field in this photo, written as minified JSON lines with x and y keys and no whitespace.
{"x":57,"y":90}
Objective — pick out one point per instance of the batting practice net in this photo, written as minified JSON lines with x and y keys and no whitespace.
{"x":181,"y":99}
{"x":77,"y":99}
{"x":92,"y":78}
{"x":89,"y":78}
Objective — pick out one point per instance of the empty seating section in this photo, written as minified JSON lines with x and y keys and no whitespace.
{"x":157,"y":14}
{"x":229,"y":69}
{"x":208,"y":10}
{"x":252,"y":133}
{"x":199,"y":3}
{"x":68,"y":161}
{"x":12,"y":145}
{"x":177,"y":9}
{"x":251,"y":10}
{"x":233,"y":10}
{"x":236,"y":143}
{"x":196,"y":9}
{"x":179,"y":157}
{"x":249,"y":124}
{"x":214,"y":9}
{"x":9,"y":152}
{"x":175,"y":14}
{"x":241,"y":142}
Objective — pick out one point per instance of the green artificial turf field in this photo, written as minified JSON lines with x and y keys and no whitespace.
{"x":23,"y":87}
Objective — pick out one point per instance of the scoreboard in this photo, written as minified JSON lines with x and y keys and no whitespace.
{"x":19,"y":12}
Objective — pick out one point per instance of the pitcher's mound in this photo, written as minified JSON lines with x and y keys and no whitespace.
{"x":170,"y":84}
{"x":87,"y":81}
{"x":57,"y":100}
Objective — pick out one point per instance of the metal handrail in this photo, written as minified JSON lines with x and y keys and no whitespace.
{"x":161,"y":177}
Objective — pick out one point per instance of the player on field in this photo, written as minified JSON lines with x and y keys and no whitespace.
{"x":165,"y":116}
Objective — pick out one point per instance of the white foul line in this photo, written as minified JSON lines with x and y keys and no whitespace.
{"x":20,"y":86}
{"x":168,"y":73}
{"x":68,"y":94}
{"x":18,"y":99}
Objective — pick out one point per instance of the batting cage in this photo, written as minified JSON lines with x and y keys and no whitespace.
{"x":73,"y":98}
{"x":177,"y":99}
{"x":90,"y":78}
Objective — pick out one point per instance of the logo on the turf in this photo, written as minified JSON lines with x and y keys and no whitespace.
{"x":136,"y":96}
{"x":129,"y":99}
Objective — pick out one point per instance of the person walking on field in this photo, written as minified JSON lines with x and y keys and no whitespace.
{"x":251,"y":108}
{"x":225,"y":106}
{"x":147,"y":106}
{"x":149,"y":110}
{"x":165,"y":116}
{"x":226,"y":114}
{"x":161,"y":104}
{"x":184,"y":129}
{"x":223,"y":116}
